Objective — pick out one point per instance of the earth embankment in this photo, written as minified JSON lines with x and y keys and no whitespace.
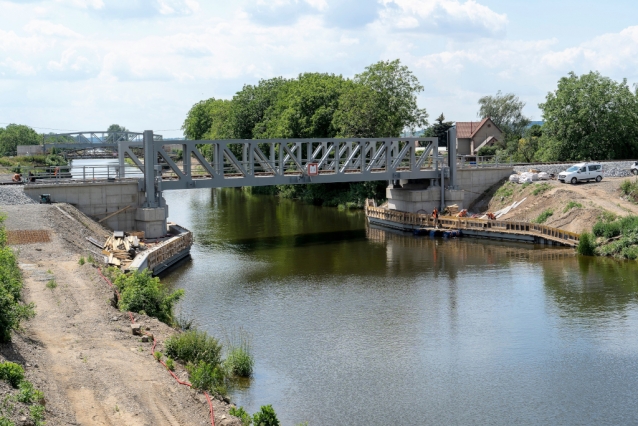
{"x":574,"y":208}
{"x":79,"y":349}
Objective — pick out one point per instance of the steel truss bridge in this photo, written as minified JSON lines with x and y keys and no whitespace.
{"x":236,"y":163}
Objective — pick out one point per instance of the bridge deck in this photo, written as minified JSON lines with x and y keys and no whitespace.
{"x":481,"y":227}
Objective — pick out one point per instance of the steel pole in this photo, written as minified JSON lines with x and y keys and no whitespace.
{"x":150,"y":157}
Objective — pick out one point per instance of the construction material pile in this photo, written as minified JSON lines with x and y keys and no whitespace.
{"x":503,"y":211}
{"x":530,"y":176}
{"x":451,"y":210}
{"x":121,"y":249}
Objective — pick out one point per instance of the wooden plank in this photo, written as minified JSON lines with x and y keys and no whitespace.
{"x":114,"y":213}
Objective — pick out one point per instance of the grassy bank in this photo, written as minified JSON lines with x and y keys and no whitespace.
{"x":612,"y":236}
{"x":200,"y":354}
{"x":23,"y":163}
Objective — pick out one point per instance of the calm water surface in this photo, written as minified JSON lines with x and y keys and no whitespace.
{"x":358,"y":326}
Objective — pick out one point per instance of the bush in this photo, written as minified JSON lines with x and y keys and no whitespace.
{"x":544,"y":216}
{"x":265,"y":417}
{"x":206,"y":377}
{"x":245,"y":418}
{"x":141,"y":292}
{"x":611,"y":229}
{"x":37,"y":414}
{"x":194,"y":346}
{"x":12,"y":373}
{"x":586,"y":244}
{"x":12,"y":311}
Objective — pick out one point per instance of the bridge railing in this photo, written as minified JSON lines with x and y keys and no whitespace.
{"x":66,"y":174}
{"x":480,"y":162}
{"x":425,"y":221}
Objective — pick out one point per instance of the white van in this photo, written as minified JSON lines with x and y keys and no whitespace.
{"x":582,"y":172}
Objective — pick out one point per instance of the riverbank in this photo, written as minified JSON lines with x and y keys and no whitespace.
{"x":574,"y":208}
{"x":79,"y":349}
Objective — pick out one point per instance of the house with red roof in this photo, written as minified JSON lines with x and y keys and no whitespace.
{"x":474,"y":135}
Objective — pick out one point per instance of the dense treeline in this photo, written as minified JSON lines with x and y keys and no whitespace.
{"x":14,"y":135}
{"x":379,"y":102}
{"x":587,"y":117}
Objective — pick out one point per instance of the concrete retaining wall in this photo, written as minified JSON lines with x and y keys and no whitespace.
{"x":408,"y":200}
{"x":96,"y":200}
{"x":476,"y":181}
{"x":30,"y":150}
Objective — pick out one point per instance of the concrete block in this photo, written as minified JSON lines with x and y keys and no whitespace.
{"x":72,"y":196}
{"x":111,"y":190}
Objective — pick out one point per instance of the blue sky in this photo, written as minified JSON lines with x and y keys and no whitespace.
{"x":84,"y":64}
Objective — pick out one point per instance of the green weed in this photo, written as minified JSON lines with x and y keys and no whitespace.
{"x":90,"y":259}
{"x":37,"y":414}
{"x":265,"y":417}
{"x":11,"y":372}
{"x":170,"y":364}
{"x":540,"y":188}
{"x":572,"y":205}
{"x":245,"y":418}
{"x":52,"y":284}
{"x":544,"y":216}
{"x":505,"y":191}
{"x":28,"y":394}
{"x":6,"y":422}
{"x":157,"y":355}
{"x":81,"y":261}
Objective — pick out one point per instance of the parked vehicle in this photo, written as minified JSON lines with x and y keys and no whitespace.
{"x":582,"y":172}
{"x":634,"y":168}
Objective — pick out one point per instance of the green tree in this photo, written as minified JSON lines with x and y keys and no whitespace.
{"x":358,"y":114}
{"x":439,"y":130}
{"x":590,"y":117}
{"x":303,"y":108}
{"x":397,"y":88}
{"x":17,"y":134}
{"x":208,"y":119}
{"x":249,"y":107}
{"x":113,"y":133}
{"x":506,"y":111}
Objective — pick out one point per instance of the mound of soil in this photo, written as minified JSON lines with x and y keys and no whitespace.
{"x":574,"y":208}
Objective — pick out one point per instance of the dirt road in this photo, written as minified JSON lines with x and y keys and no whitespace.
{"x":79,"y":349}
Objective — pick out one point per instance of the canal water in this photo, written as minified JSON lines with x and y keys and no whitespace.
{"x":357,"y":326}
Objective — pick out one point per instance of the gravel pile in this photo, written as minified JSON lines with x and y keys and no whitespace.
{"x":610,"y":168}
{"x":13,"y":195}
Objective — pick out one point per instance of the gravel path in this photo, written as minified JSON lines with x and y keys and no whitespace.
{"x":13,"y":195}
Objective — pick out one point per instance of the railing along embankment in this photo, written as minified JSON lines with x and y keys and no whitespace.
{"x":423,"y":221}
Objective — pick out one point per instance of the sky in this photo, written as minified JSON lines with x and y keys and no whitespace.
{"x":78,"y":65}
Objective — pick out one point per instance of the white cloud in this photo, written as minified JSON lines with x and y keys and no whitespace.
{"x":83,"y":4}
{"x":50,"y":29}
{"x":14,"y":68}
{"x":446,"y":17}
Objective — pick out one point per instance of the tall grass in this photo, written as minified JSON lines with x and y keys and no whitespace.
{"x":630,"y":189}
{"x":194,"y":346}
{"x":239,"y":360}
